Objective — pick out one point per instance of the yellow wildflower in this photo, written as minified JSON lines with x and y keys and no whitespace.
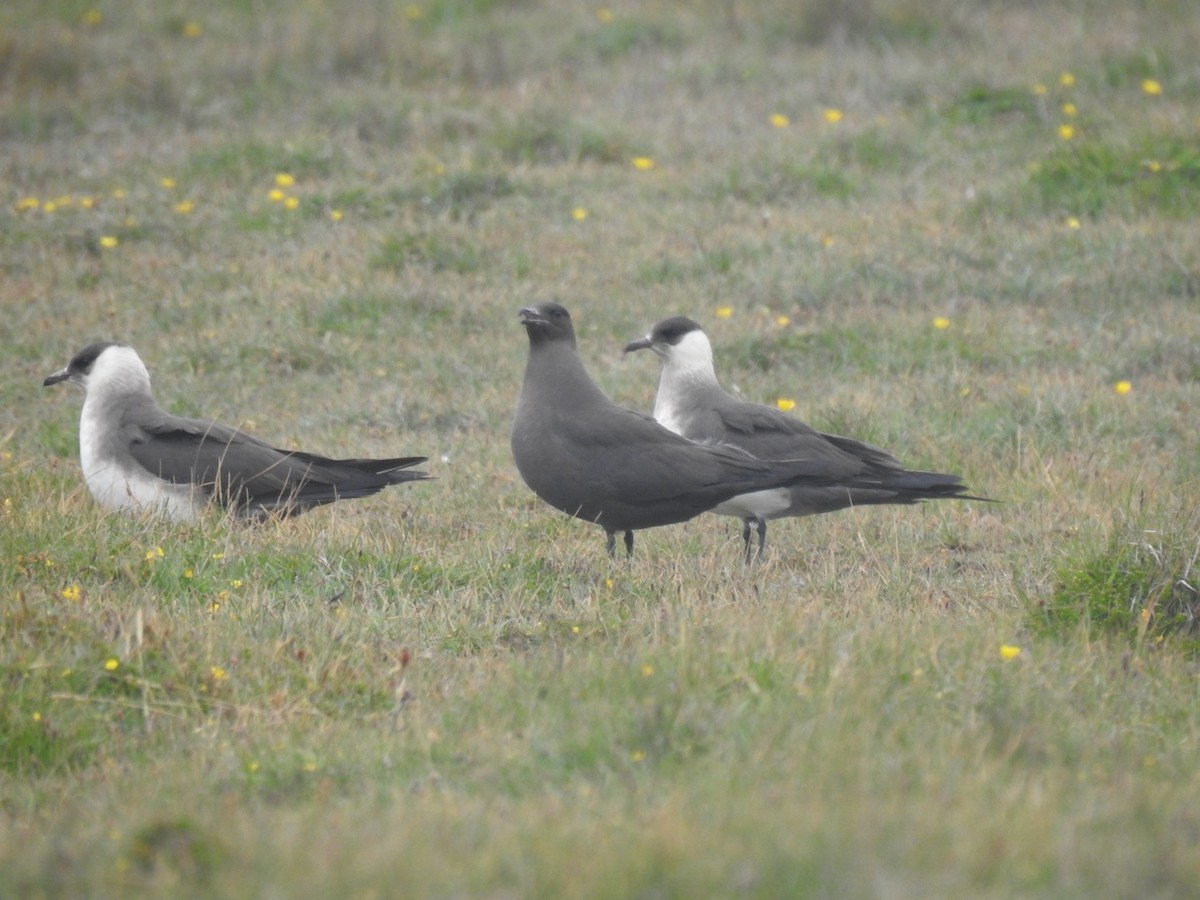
{"x":336,"y":215}
{"x":724,"y":312}
{"x":1039,"y":89}
{"x":579,"y":214}
{"x":108,"y":241}
{"x":1073,"y":223}
{"x":27,"y":203}
{"x":111,"y":664}
{"x":284,"y":179}
{"x":1123,"y":387}
{"x":604,"y":14}
{"x":1070,"y":110}
{"x":647,"y":670}
{"x":92,"y":17}
{"x":275,"y":195}
{"x":167,"y":183}
{"x":188,"y":573}
{"x":785,"y":403}
{"x":71,"y":593}
{"x":783,"y":321}
{"x":779,"y":120}
{"x":941,"y":323}
{"x":1008,"y":651}
{"x":643,"y":163}
{"x":1066,"y":132}
{"x":217,"y":673}
{"x":832,"y":115}
{"x":192,"y":29}
{"x":183,"y":207}
{"x":1152,"y":87}
{"x":1066,"y":79}
{"x":290,"y":203}
{"x":413,"y":12}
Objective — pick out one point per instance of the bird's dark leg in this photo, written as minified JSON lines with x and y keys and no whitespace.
{"x":629,"y":542}
{"x":762,"y":538}
{"x":611,"y":544}
{"x":746,"y":537}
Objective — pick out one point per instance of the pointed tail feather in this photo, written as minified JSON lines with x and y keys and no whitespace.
{"x":909,"y":486}
{"x":395,"y":470}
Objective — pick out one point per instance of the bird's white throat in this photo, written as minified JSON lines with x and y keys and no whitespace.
{"x":686,"y":366}
{"x":115,"y":479}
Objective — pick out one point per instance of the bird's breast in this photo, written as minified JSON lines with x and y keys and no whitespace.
{"x":118,"y":484}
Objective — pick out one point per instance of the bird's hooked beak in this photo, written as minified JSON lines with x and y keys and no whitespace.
{"x":59,"y":376}
{"x":530,"y":316}
{"x":642,"y":343}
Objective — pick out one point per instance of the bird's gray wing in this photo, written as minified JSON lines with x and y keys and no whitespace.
{"x":216,"y":457}
{"x":653,"y":464}
{"x":769,"y":433}
{"x":861,"y":467}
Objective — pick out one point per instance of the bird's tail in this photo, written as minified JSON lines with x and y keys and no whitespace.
{"x":396,"y":470}
{"x":928,"y":486}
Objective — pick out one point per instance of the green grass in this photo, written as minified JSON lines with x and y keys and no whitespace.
{"x":1142,"y":586}
{"x":449,"y":689}
{"x":1159,"y":174}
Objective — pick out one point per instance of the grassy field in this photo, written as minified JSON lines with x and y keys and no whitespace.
{"x":965,"y":231}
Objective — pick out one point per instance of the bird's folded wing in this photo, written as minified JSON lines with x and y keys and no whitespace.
{"x":771,"y":434}
{"x":651,"y":464}
{"x":757,"y":420}
{"x":210,"y":454}
{"x":875,"y":457}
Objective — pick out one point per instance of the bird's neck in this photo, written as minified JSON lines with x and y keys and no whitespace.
{"x":118,"y":387}
{"x":680,"y":378}
{"x":554,"y":370}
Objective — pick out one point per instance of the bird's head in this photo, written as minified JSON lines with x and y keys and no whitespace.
{"x":104,"y":364}
{"x":547,"y":322}
{"x":676,"y":341}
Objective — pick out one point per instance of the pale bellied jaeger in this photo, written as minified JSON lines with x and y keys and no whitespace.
{"x":138,"y":457}
{"x":691,"y":403}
